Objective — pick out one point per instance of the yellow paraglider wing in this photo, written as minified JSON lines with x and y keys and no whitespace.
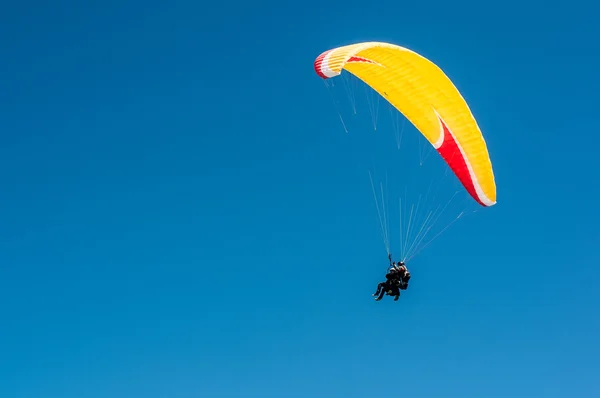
{"x":429,"y":100}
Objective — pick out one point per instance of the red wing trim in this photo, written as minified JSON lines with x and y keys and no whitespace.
{"x":319,"y":65}
{"x":452,"y":154}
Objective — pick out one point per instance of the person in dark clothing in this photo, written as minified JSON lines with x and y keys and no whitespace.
{"x":391,"y":287}
{"x":404,"y":279}
{"x":396,"y":279}
{"x":403,"y":275}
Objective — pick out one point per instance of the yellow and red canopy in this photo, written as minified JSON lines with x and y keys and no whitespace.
{"x":429,"y":100}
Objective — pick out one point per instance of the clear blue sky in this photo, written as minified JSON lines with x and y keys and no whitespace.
{"x":181,"y":214}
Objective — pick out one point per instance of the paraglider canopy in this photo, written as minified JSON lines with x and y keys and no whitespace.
{"x":425,"y":95}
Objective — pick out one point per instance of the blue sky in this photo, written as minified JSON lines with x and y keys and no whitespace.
{"x":182,"y":215}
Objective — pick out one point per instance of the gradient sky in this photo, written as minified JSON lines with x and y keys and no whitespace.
{"x":182,"y":215}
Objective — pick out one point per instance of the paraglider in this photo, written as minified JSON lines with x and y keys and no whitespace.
{"x":396,"y":279}
{"x":421,"y":91}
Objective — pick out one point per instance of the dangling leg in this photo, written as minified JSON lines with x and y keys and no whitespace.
{"x":381,"y":292}
{"x":379,"y":287}
{"x":395,"y":292}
